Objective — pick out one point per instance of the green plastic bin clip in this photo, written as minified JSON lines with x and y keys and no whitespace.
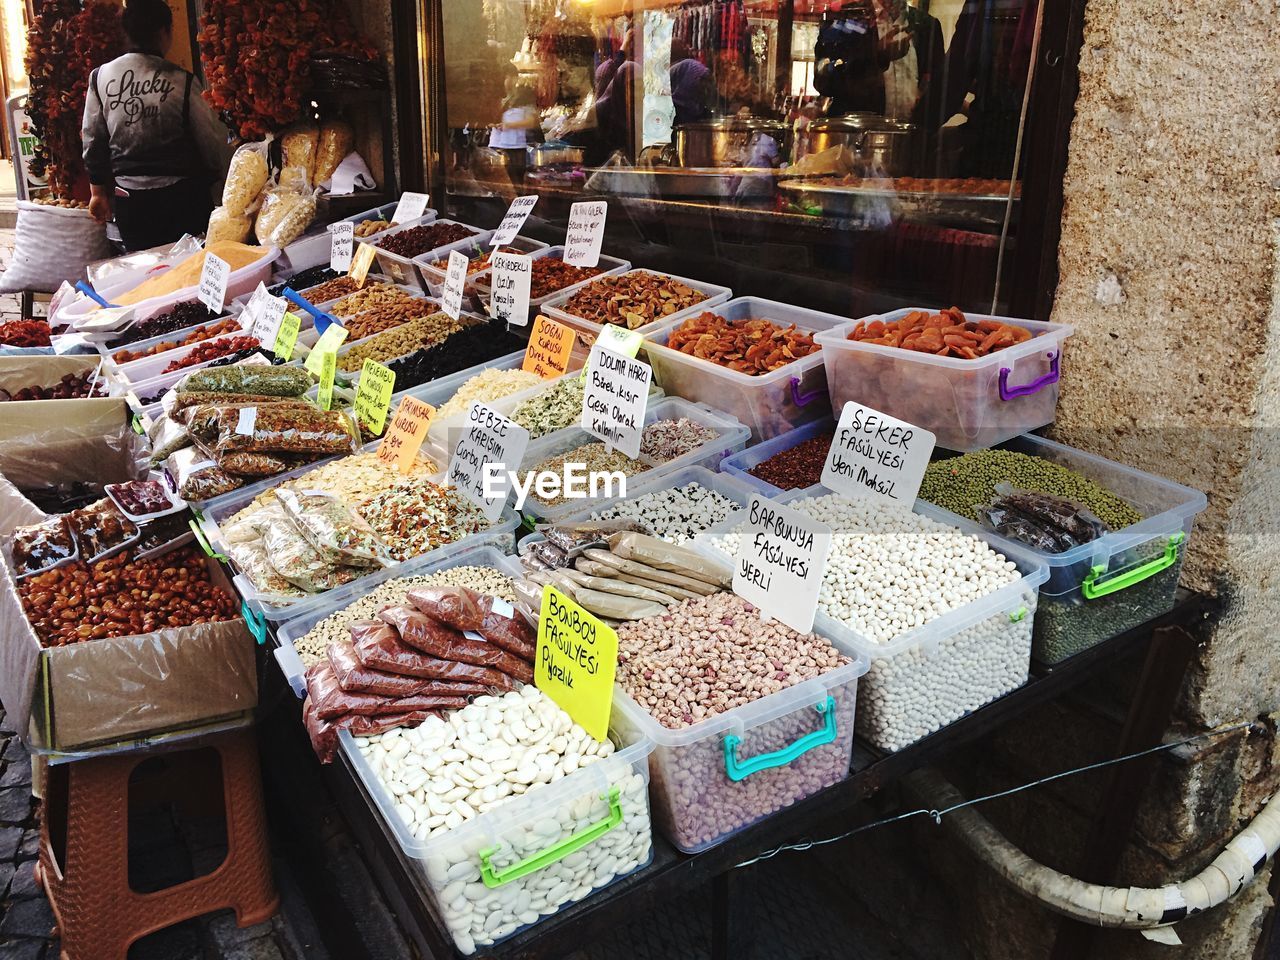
{"x":739,"y":770}
{"x":255,"y":621}
{"x":496,"y":878}
{"x":136,"y":423}
{"x":1092,"y":590}
{"x":204,"y":541}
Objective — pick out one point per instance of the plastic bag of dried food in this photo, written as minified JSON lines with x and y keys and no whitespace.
{"x":354,"y":677}
{"x":225,"y":225}
{"x":271,"y":381}
{"x":653,"y":552}
{"x":293,"y":214}
{"x":341,"y":535}
{"x":257,"y":464}
{"x":437,"y":640}
{"x":620,"y":587}
{"x":361,"y":726}
{"x":1049,"y":523}
{"x":167,"y":436}
{"x":202,"y":419}
{"x":610,"y":605}
{"x":101,"y":529}
{"x":457,"y":607}
{"x":573,"y":538}
{"x":528,"y":598}
{"x":250,"y":556}
{"x":599,"y":563}
{"x":298,"y":147}
{"x":378,"y":647}
{"x":197,"y":476}
{"x":505,"y":628}
{"x":323,"y":735}
{"x":183,"y":402}
{"x":246,"y":178}
{"x":293,"y":556}
{"x":42,"y":546}
{"x":285,"y":428}
{"x":329,"y":699}
{"x":337,"y":139}
{"x":543,"y":555}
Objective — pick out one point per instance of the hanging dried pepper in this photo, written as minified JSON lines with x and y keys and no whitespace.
{"x":257,"y":57}
{"x":64,"y":44}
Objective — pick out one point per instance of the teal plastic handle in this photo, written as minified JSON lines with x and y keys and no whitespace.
{"x":257,"y":625}
{"x":1092,"y":590}
{"x":204,"y":541}
{"x":739,"y":770}
{"x":496,"y":878}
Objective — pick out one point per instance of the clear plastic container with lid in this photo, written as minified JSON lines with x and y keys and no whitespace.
{"x":301,"y":622}
{"x":526,"y":859}
{"x":718,"y":776}
{"x":730,"y":436}
{"x":383,"y":213}
{"x":740,"y":464}
{"x":1124,"y":578}
{"x":607,"y":265}
{"x":404,"y":269}
{"x":557,"y":306}
{"x":769,"y":404}
{"x":966,"y":404}
{"x":434,"y":276}
{"x":934,"y":674}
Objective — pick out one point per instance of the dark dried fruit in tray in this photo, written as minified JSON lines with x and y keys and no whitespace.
{"x":179,"y":317}
{"x":72,"y":386}
{"x":422,"y":239}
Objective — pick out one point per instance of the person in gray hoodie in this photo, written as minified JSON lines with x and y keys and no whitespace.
{"x":152,"y":146}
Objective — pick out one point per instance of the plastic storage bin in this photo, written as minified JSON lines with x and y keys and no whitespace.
{"x":740,"y":463}
{"x":276,"y":608}
{"x":731,"y":436}
{"x":405,"y":269}
{"x":145,"y":375}
{"x":770,"y":404}
{"x":555,"y":306}
{"x":434,"y":277}
{"x":722,"y":774}
{"x":335,"y":601}
{"x":931,"y":676}
{"x":1118,"y":581}
{"x":607,"y":265}
{"x":173,"y":337}
{"x":966,"y":404}
{"x":383,"y":212}
{"x":528,"y":858}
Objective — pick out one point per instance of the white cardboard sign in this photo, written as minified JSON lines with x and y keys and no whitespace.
{"x":780,"y":562}
{"x":513,"y":220}
{"x":410,"y":207}
{"x":512,"y":275}
{"x":586,"y":233}
{"x":455,"y":282}
{"x":342,"y":244}
{"x":265,"y":324}
{"x":615,"y":399}
{"x":488,"y":438}
{"x":214,"y":276}
{"x":875,"y":455}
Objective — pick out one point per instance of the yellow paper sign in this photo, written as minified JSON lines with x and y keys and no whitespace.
{"x":328,"y":370}
{"x":549,"y":350}
{"x":576,"y":660}
{"x":329,"y":342}
{"x":620,"y":340}
{"x":361,"y":263}
{"x":373,"y":395}
{"x":405,"y":435}
{"x":287,"y":336}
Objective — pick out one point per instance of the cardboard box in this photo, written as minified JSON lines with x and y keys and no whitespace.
{"x":116,"y":689}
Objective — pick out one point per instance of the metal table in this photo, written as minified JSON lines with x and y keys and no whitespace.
{"x":1169,"y":641}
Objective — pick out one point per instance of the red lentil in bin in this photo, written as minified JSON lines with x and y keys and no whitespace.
{"x":796,"y":468}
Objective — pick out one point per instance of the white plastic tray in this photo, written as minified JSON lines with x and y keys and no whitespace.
{"x":556,"y":306}
{"x":405,"y":269}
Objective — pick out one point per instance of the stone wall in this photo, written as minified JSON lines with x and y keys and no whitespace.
{"x":1169,"y":274}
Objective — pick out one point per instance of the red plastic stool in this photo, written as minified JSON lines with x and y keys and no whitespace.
{"x":99,"y":915}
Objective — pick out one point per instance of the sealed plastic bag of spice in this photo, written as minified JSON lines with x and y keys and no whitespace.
{"x":197,"y":476}
{"x":293,"y":556}
{"x":437,"y":640}
{"x":285,"y":428}
{"x":330,"y":700}
{"x":267,"y":380}
{"x":378,"y":647}
{"x":334,"y":529}
{"x":355,"y":677}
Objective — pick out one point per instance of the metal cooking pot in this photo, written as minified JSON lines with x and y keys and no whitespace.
{"x":729,"y":141}
{"x":882,"y":147}
{"x":893,"y":151}
{"x":553,"y":155}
